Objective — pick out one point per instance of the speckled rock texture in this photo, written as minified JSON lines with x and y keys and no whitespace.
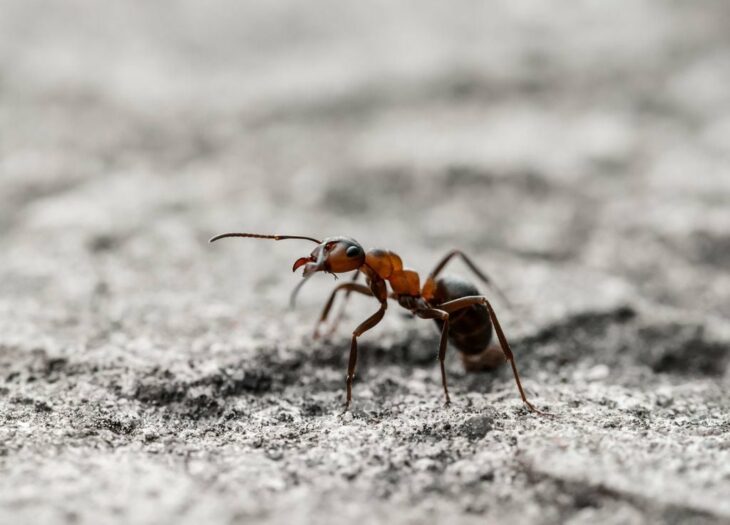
{"x":578,"y":152}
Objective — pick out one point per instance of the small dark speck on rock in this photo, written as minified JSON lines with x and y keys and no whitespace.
{"x":42,"y":406}
{"x":160,"y":393}
{"x":487,"y":476}
{"x":150,"y":436}
{"x":203,"y":406}
{"x":22,"y":401}
{"x":55,"y":364}
{"x":475,"y":508}
{"x":477,"y":427}
{"x":103,"y":243}
{"x":233,"y":384}
{"x":285,"y":417}
{"x":586,"y":499}
{"x":351,"y":473}
{"x":641,"y":412}
{"x":312,"y":408}
{"x":118,"y":425}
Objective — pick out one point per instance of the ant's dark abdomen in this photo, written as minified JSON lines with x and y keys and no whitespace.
{"x":470,"y":329}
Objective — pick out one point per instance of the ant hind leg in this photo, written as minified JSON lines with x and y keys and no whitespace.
{"x":473,"y":267}
{"x":465,"y":302}
{"x":434,"y":313}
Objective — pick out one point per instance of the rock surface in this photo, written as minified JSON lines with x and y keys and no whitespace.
{"x":579,"y":154}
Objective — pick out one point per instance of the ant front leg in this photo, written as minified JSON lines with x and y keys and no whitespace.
{"x":361,"y":329}
{"x":349,"y":287}
{"x":343,"y":307}
{"x":465,"y":302}
{"x":433,"y":313}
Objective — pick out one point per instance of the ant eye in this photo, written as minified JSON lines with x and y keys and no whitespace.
{"x":354,"y":251}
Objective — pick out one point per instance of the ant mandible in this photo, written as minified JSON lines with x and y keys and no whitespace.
{"x":464,"y":316}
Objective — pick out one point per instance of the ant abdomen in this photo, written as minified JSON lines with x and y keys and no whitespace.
{"x":470,"y":329}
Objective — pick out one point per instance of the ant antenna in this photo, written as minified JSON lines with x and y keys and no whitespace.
{"x":259,"y":236}
{"x":275,"y":238}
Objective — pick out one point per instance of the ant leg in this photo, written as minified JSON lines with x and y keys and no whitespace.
{"x":343,"y":307}
{"x":295,"y":291}
{"x":349,"y":287}
{"x":464,"y":302}
{"x":433,"y":313}
{"x":473,"y":267}
{"x":361,"y":329}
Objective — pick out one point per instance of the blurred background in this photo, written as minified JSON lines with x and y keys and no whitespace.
{"x":526,"y":133}
{"x":579,"y":152}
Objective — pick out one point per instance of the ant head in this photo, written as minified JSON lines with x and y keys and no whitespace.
{"x":333,"y":255}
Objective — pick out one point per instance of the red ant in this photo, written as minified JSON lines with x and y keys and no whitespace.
{"x":464,"y":316}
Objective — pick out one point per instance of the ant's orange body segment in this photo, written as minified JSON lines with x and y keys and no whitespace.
{"x":465,"y":317}
{"x":389,"y":267}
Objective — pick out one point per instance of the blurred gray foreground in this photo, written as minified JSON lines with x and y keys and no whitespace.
{"x":579,"y":151}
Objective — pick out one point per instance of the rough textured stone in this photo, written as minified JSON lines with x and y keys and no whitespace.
{"x":579,"y":154}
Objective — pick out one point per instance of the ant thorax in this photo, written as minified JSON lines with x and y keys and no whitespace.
{"x":389,"y":266}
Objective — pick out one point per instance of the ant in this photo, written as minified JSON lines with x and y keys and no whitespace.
{"x":465,"y":317}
